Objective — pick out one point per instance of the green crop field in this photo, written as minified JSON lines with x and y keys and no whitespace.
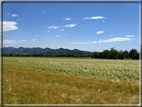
{"x":29,"y":80}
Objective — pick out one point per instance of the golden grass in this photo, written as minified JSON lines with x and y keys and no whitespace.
{"x":31,"y":86}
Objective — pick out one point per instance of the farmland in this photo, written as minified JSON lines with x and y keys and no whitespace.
{"x":29,"y":80}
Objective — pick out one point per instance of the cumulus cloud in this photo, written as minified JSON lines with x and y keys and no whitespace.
{"x":102,"y":20}
{"x":79,"y":42}
{"x":53,"y":27}
{"x":88,"y":42}
{"x":70,"y":25}
{"x":94,"y":41}
{"x":72,"y":42}
{"x":57,"y":36}
{"x":61,"y":29}
{"x":129,"y":35}
{"x":9,"y":25}
{"x":99,"y":41}
{"x":100,"y":32}
{"x":48,"y":31}
{"x":14,"y":15}
{"x":94,"y":17}
{"x":115,"y":40}
{"x":9,"y":13}
{"x":67,"y":18}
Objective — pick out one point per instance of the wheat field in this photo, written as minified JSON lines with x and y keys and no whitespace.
{"x":29,"y":80}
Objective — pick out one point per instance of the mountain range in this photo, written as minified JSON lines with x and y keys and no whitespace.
{"x":46,"y":51}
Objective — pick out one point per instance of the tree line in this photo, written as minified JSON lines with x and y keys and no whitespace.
{"x":106,"y":54}
{"x":115,"y":54}
{"x":42,"y":55}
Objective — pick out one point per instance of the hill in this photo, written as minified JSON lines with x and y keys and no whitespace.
{"x":46,"y":51}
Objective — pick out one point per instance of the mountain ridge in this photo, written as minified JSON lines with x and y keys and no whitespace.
{"x":45,"y":51}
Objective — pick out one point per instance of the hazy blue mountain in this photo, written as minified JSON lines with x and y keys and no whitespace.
{"x":46,"y":51}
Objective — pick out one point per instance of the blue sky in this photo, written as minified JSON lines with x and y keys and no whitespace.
{"x":84,"y":26}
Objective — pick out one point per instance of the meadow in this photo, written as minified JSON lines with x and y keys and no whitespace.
{"x":30,"y":80}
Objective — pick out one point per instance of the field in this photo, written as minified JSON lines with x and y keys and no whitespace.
{"x":29,"y":80}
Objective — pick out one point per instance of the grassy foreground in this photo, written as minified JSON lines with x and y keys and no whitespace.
{"x":70,"y":81}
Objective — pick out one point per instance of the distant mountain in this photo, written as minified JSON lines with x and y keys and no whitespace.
{"x":46,"y":51}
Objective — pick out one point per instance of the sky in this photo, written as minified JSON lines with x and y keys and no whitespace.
{"x":84,"y":26}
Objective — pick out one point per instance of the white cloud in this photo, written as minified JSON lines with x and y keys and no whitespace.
{"x":115,"y":40}
{"x":61,"y":30}
{"x":66,"y":35}
{"x":17,"y":41}
{"x":102,"y":20}
{"x":9,"y":13}
{"x":36,"y":35}
{"x":43,"y":11}
{"x":110,"y":35}
{"x":14,"y":15}
{"x":129,"y":35}
{"x":67,"y":18}
{"x":86,"y":18}
{"x":57,"y":35}
{"x":33,"y":40}
{"x":79,"y":42}
{"x":70,"y":25}
{"x":106,"y":30}
{"x":46,"y":37}
{"x":9,"y":25}
{"x":99,"y":41}
{"x":94,"y":41}
{"x":24,"y":40}
{"x":53,"y":27}
{"x":10,"y":41}
{"x":95,"y":17}
{"x":48,"y":31}
{"x":100,"y":32}
{"x":88,"y":42}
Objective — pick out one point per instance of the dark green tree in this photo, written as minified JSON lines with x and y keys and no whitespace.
{"x":120,"y":55}
{"x":137,"y":56}
{"x":133,"y":53}
{"x":113,"y":54}
{"x":126,"y":54}
{"x":95,"y":55}
{"x":11,"y":54}
{"x":105,"y":54}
